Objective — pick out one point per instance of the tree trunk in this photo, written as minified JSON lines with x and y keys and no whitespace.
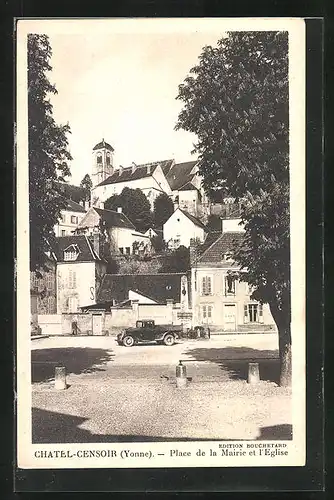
{"x":282,"y":320}
{"x":285,"y":358}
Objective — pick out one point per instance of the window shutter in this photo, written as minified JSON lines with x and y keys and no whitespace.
{"x":203,"y":286}
{"x":74,"y":279}
{"x":260,"y":313}
{"x":246,"y":315}
{"x":209,"y":288}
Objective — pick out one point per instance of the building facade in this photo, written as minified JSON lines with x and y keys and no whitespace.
{"x":80,"y":270}
{"x":70,"y":217}
{"x":221,"y":300}
{"x":181,"y":228}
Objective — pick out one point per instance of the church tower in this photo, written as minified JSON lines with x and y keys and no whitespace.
{"x":102,"y":162}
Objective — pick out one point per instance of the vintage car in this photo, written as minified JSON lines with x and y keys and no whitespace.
{"x":148,"y":331}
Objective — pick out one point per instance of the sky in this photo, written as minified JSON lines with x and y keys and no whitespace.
{"x":121,"y":87}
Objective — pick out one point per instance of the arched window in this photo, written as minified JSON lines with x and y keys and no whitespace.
{"x":99,"y":158}
{"x":108,"y":159}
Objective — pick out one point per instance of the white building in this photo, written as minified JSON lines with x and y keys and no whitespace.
{"x":70,"y":217}
{"x":181,"y":227}
{"x":180,"y":181}
{"x":220,"y":299}
{"x":121,"y":233}
{"x":79,"y":271}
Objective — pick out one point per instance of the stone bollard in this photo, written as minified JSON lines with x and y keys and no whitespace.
{"x":181,"y":375}
{"x":253,"y":373}
{"x":60,"y":378}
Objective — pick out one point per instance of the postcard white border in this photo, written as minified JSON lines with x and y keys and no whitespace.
{"x":296,"y":448}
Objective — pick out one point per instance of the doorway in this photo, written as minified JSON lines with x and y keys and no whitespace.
{"x":230,"y":316}
{"x":97,"y":324}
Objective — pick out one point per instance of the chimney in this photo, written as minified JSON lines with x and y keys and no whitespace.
{"x":119,"y":210}
{"x":81,"y":203}
{"x":193,"y":252}
{"x":101,"y":205}
{"x":120,"y":170}
{"x":96,"y":243}
{"x":87,"y":205}
{"x":133,"y":167}
{"x":148,"y":168}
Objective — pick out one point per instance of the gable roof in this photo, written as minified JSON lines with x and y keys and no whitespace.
{"x":86,"y":251}
{"x":74,"y":207}
{"x":179,"y":174}
{"x":131,"y":174}
{"x":113,"y":218}
{"x":158,"y":287}
{"x":193,"y":219}
{"x":103,"y":144}
{"x":220,"y":246}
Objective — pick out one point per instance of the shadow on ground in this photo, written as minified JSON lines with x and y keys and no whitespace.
{"x":235,"y":361}
{"x":52,"y":427}
{"x":283,"y":431}
{"x":75,"y":359}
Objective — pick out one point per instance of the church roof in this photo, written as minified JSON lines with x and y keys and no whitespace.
{"x":129,"y":174}
{"x":180,"y":175}
{"x":103,"y":144}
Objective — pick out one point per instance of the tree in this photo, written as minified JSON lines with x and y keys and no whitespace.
{"x":158,"y":243}
{"x":163,"y":209}
{"x":214,"y":223}
{"x":134,"y":205}
{"x":177,"y":262}
{"x":48,"y":153}
{"x":236,"y":102}
{"x":87,"y":185}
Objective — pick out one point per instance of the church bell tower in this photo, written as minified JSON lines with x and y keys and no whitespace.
{"x":102,"y":162}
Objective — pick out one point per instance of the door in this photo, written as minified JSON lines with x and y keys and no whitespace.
{"x":97,"y":324}
{"x":230,"y":317}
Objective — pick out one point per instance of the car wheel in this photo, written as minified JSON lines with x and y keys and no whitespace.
{"x":128,"y":341}
{"x":169,"y":339}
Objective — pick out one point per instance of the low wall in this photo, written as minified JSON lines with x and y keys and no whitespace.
{"x":84,"y":322}
{"x":50,"y":324}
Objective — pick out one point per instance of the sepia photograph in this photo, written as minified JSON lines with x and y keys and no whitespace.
{"x":160,"y":242}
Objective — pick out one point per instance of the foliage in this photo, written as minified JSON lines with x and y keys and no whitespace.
{"x":236,"y":102}
{"x":87,"y":185}
{"x":158,"y":243}
{"x":135,"y":206}
{"x":163,"y":209}
{"x":48,"y":152}
{"x":177,"y":262}
{"x":214,"y":223}
{"x":112,"y":265}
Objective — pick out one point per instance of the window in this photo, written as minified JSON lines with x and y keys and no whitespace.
{"x":72,"y":279}
{"x":206,"y":285}
{"x":62,"y":217}
{"x":70,"y":255}
{"x":108,"y":159}
{"x":71,"y":252}
{"x":127,"y":250}
{"x":74,"y":219}
{"x":229,"y":284}
{"x":49,"y":281}
{"x":63,"y":232}
{"x":72,"y":304}
{"x":253,"y":313}
{"x":121,"y":250}
{"x":207,"y":313}
{"x":99,"y":159}
{"x":51,"y":305}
